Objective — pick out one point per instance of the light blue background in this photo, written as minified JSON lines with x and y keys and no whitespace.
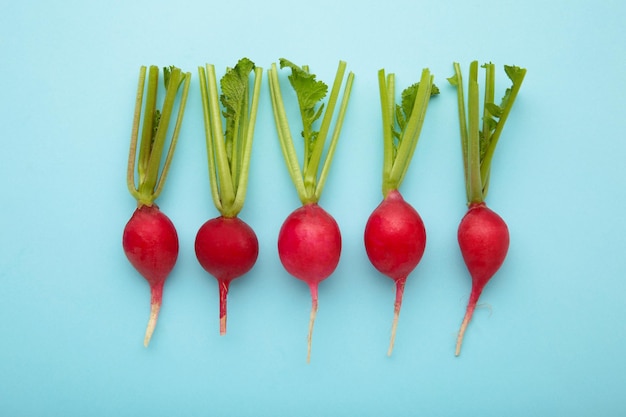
{"x":550,"y":336}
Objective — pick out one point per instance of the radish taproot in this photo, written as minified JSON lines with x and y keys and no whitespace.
{"x":150,"y":240}
{"x":483,"y":235}
{"x":309,"y":241}
{"x":226,"y":246}
{"x":395,"y":237}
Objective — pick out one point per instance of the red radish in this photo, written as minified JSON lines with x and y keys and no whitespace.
{"x":227,"y":247}
{"x":309,"y":241}
{"x":309,"y":246}
{"x":483,"y":236}
{"x":150,"y":240}
{"x":484,"y":241}
{"x":395,"y":237}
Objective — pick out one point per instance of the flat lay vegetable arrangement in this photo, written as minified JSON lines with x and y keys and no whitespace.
{"x":309,"y":241}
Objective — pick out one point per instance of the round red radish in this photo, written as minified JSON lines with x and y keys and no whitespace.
{"x":309,"y":244}
{"x":150,"y":242}
{"x":395,"y":239}
{"x":227,"y":248}
{"x":309,"y":247}
{"x":484,"y":241}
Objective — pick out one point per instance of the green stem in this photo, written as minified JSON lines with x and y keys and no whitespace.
{"x":478,"y":151}
{"x":386,"y":86}
{"x":307,"y":182}
{"x":226,"y":186}
{"x":410,"y":136}
{"x":132,"y":154}
{"x":397,"y":158}
{"x":311,"y":171}
{"x":147,"y":133}
{"x":151,"y":176}
{"x":238,"y":138}
{"x":175,"y":134}
{"x":229,"y":153}
{"x":473,"y":146}
{"x":486,"y":163}
{"x":147,"y":187}
{"x":284,"y":134}
{"x":204,"y":92}
{"x":247,"y":142}
{"x":490,"y":86}
{"x":457,"y":81}
{"x":335,"y":138}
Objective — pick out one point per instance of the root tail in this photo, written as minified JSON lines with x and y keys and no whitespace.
{"x":469,"y":312}
{"x":223,"y":285}
{"x":396,"y":313}
{"x":154,"y":315}
{"x":311,"y":321}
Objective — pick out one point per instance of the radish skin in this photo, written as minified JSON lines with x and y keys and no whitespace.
{"x":226,"y":248}
{"x":309,"y":247}
{"x":484,"y":241}
{"x":150,"y":243}
{"x":395,"y":239}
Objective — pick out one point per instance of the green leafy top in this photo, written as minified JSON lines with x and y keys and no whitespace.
{"x":402,"y":124}
{"x":150,"y":175}
{"x":229,"y":151}
{"x":309,"y":181}
{"x":309,"y":92}
{"x":479,"y":144}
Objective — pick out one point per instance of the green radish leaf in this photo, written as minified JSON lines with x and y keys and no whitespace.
{"x":234,"y":85}
{"x":483,"y":144}
{"x":155,"y":123}
{"x":408,"y":100}
{"x":515,"y":73}
{"x":309,"y":92}
{"x":400,"y":118}
{"x":491,"y":123}
{"x":410,"y":94}
{"x":494,"y":109}
{"x":167,"y":73}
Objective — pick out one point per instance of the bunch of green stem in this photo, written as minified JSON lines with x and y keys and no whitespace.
{"x":400,"y":146}
{"x":229,"y":150}
{"x":479,"y":145}
{"x":309,"y":180}
{"x":151,"y":173}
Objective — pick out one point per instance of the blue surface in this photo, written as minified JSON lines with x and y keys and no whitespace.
{"x":550,"y":335}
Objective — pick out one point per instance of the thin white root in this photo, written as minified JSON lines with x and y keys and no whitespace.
{"x":459,"y":339}
{"x":394,"y":327}
{"x":310,"y":337}
{"x":154,"y":315}
{"x":222,"y":325}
